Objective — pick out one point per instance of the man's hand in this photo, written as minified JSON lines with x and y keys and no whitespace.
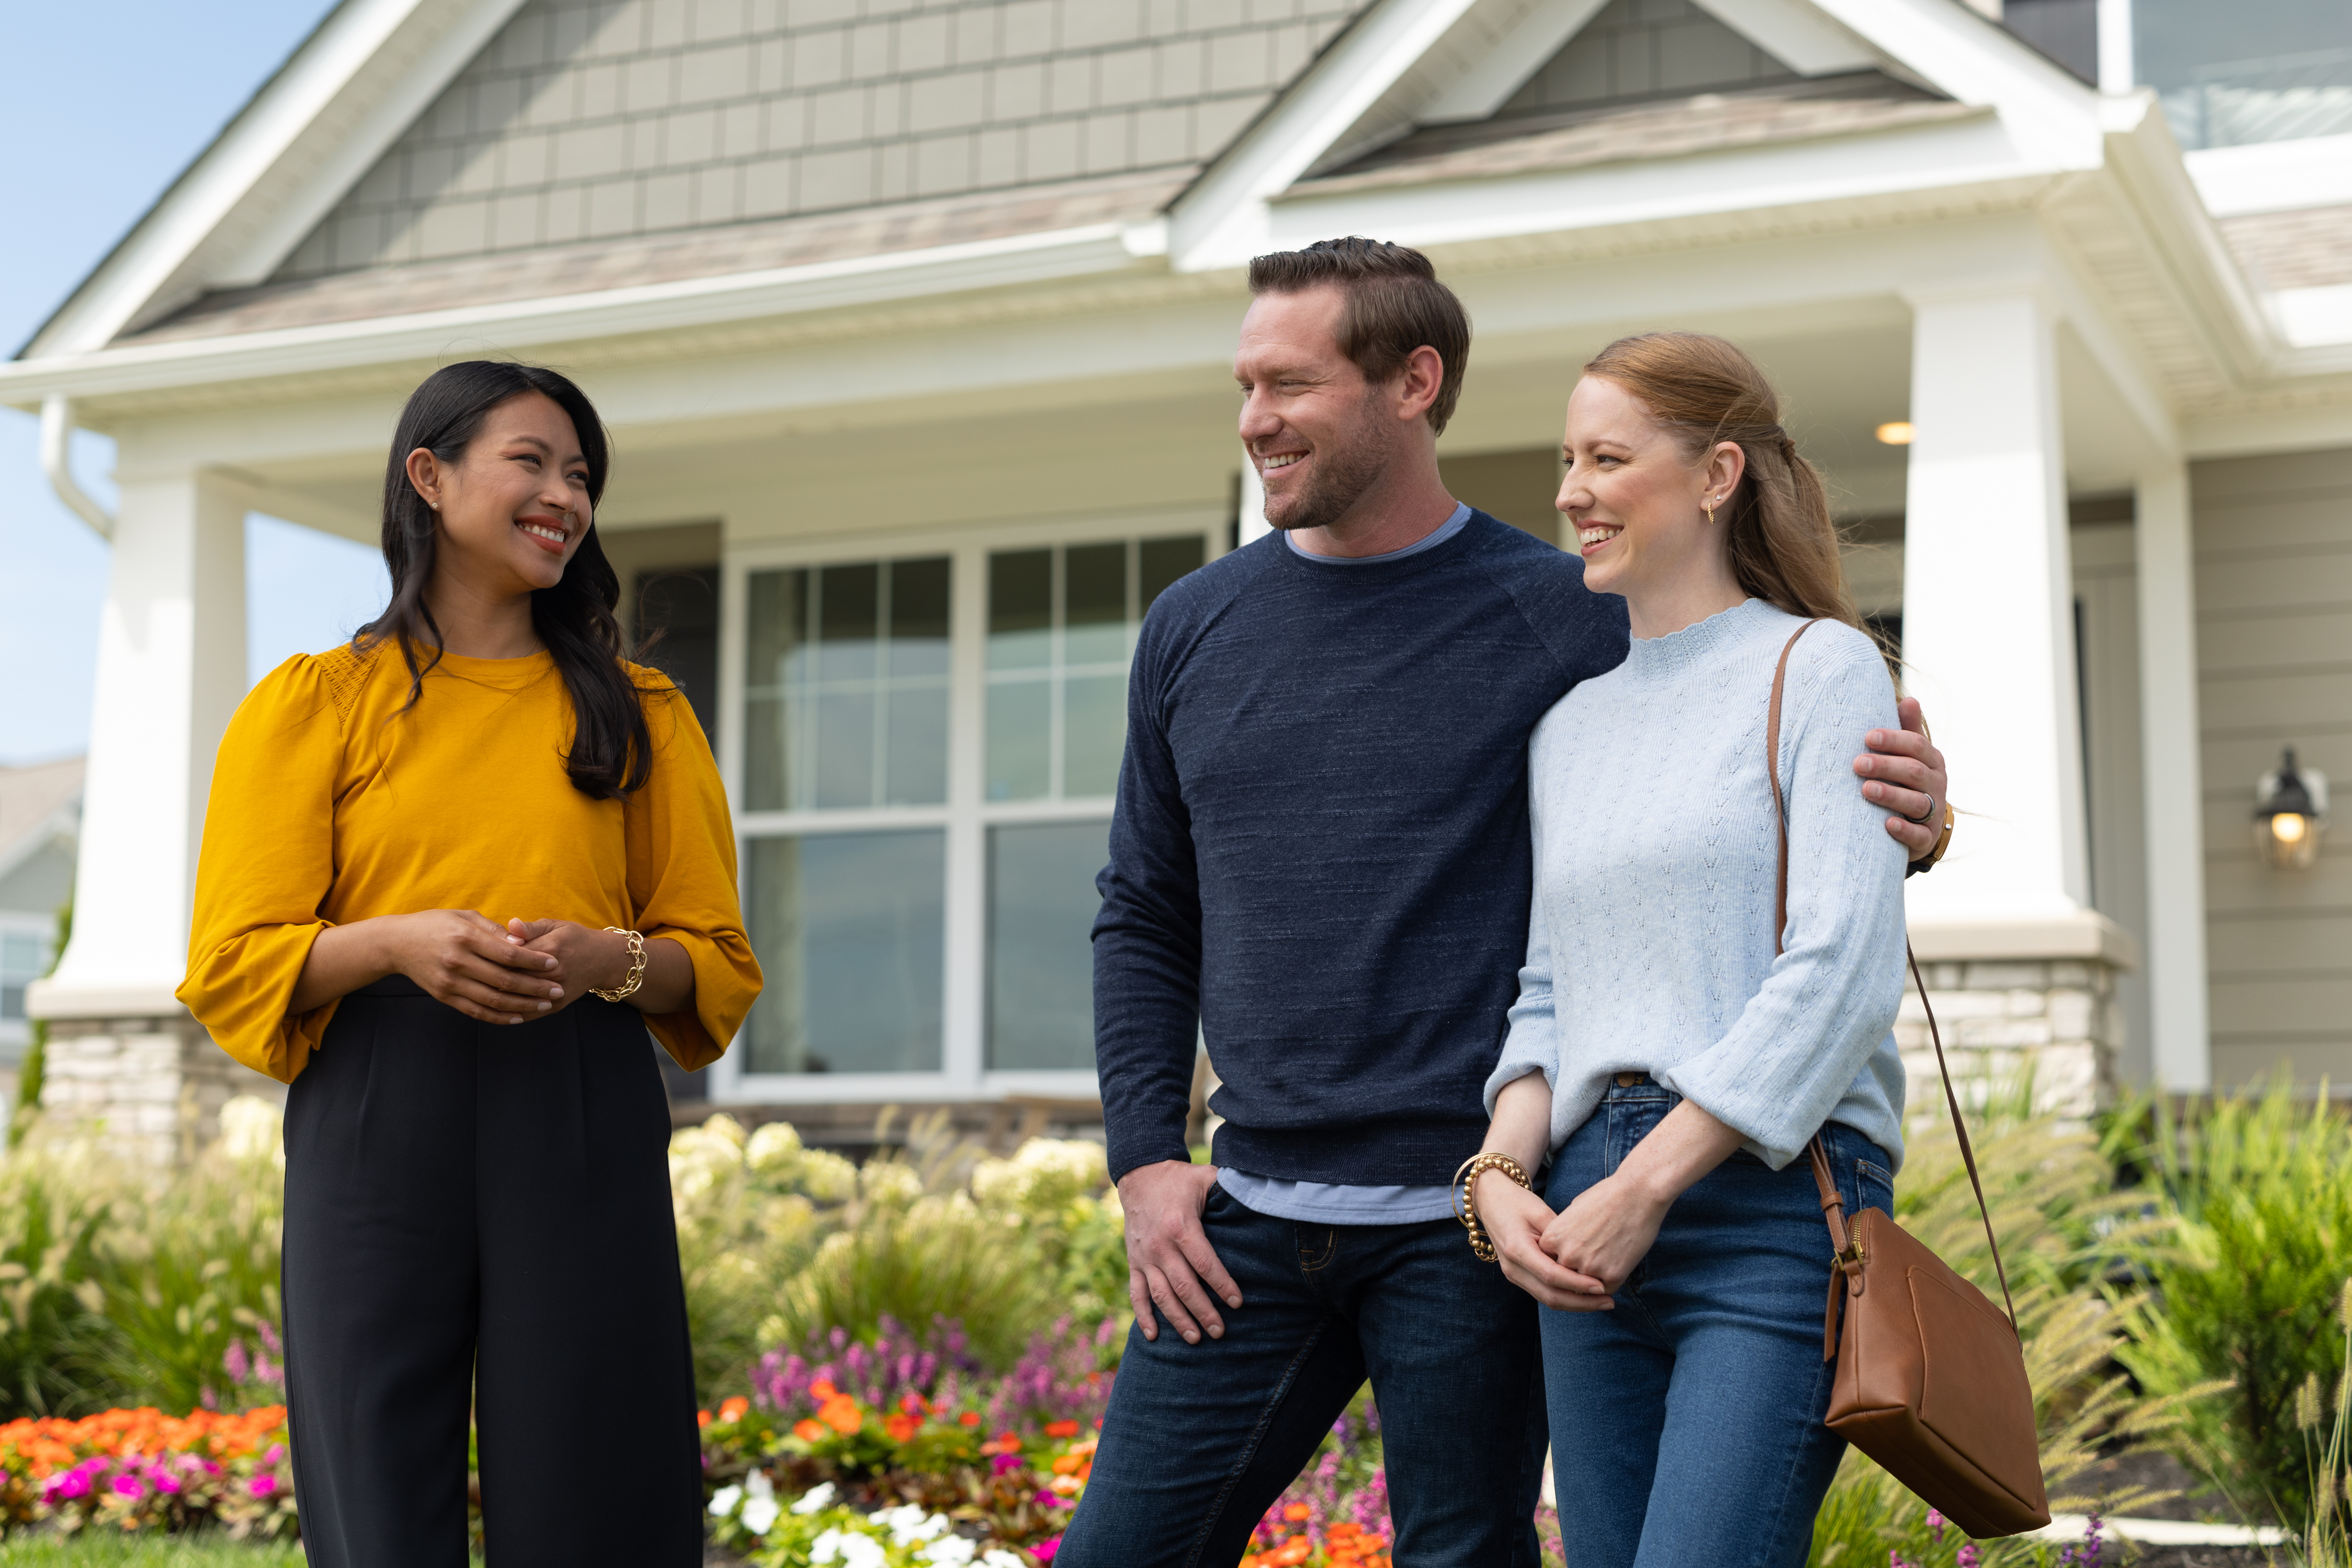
{"x":1515,"y":1218}
{"x":1905,"y":774}
{"x":1169,"y":1263}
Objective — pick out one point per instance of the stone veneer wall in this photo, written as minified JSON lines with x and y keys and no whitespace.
{"x":151,"y":1088}
{"x":2057,"y":1018}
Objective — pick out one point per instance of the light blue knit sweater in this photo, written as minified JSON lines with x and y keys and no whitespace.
{"x":1649,"y":941}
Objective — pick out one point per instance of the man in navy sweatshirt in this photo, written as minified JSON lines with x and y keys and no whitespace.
{"x":1321,"y":864}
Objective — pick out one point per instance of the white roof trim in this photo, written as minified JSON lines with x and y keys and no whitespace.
{"x":1406,"y":61}
{"x":312,"y":131}
{"x":1028,"y":258}
{"x":61,"y":825}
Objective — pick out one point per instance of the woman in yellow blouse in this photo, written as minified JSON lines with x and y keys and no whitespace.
{"x":451,"y":876}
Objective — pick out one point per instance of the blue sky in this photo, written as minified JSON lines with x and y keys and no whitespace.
{"x":106,"y":101}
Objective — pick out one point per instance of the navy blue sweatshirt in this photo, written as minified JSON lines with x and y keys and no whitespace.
{"x":1320,"y":856}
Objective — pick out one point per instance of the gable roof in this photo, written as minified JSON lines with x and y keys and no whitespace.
{"x":38,"y":805}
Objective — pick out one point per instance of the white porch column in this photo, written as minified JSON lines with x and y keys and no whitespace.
{"x":1252,"y":508}
{"x":170,"y":670}
{"x":2023,"y":969}
{"x":2172,"y":769}
{"x":1987,"y":609}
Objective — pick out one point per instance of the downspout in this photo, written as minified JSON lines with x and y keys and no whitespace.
{"x":57,"y":432}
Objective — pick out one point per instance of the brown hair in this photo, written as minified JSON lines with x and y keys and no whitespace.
{"x":1395,"y":305}
{"x":1784,"y":547}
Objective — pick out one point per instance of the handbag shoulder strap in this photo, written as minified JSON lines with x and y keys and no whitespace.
{"x":1833,"y":1205}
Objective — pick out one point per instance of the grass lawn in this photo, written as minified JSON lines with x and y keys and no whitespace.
{"x":109,"y":1549}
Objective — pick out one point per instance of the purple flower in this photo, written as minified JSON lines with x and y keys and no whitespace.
{"x":130,"y":1486}
{"x":1936,"y":1526}
{"x":1004,"y":1463}
{"x":1970,"y":1557}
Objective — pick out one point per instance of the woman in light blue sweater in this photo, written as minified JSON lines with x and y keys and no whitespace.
{"x":1669,"y":1055}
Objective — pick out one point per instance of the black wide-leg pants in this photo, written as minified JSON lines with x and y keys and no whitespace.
{"x":479,"y":1214}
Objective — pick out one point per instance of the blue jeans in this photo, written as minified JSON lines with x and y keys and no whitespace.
{"x":1687,"y":1422}
{"x":1201,"y":1440}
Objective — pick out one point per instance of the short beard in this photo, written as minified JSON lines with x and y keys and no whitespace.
{"x":1343,"y":472}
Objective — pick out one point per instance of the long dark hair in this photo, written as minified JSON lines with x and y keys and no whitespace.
{"x":612,"y":751}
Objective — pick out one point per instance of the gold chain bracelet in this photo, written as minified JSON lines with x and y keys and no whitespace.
{"x":637,"y":967}
{"x":1465,"y":1197}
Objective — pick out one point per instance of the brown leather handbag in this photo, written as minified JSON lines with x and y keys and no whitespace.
{"x":1930,"y":1377}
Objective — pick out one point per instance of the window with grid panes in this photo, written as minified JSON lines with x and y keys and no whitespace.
{"x":847,"y":694}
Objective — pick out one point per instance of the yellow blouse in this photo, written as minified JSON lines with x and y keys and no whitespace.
{"x":329,"y":805}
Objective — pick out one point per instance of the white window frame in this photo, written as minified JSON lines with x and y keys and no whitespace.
{"x":966,"y":817}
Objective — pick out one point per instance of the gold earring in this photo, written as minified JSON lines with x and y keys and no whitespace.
{"x":1708,"y":507}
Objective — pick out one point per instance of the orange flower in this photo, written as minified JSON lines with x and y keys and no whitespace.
{"x":821,"y":1391}
{"x":1068,"y":1465}
{"x":734,"y":1409}
{"x":969,"y":1418}
{"x":1061,"y":1428}
{"x":1344,"y":1529}
{"x":841,"y":1414}
{"x":810,"y":1431}
{"x":902,"y":1427}
{"x":1297,"y":1549}
{"x":1297,"y":1512}
{"x":1252,"y":1560}
{"x":1008,"y":1442}
{"x":914,"y":1405}
{"x":702,"y":1418}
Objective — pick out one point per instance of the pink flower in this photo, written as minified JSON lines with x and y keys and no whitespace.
{"x":165,"y":1482}
{"x":1936,"y":1526}
{"x":1045,"y":1550}
{"x":130,"y":1486}
{"x":262,"y":1486}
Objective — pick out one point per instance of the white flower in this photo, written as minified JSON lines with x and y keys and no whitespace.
{"x":815,"y":1500}
{"x":758,"y":1487}
{"x":995,"y":1558}
{"x":908,"y":1524}
{"x":723,"y":1501}
{"x":952,"y":1549}
{"x":850,"y":1551}
{"x":249,"y":1127}
{"x":826,"y":1176}
{"x":759,"y":1514}
{"x":772,"y":1148}
{"x":889,"y":1181}
{"x":828,"y":1547}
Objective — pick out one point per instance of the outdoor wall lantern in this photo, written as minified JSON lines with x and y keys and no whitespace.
{"x":2290,"y":814}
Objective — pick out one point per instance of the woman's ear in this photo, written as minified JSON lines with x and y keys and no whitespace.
{"x":425,"y":475}
{"x":1724,"y":466}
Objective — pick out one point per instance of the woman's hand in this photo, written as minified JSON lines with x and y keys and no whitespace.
{"x":1515,"y":1218}
{"x":457,"y":956}
{"x":1607,"y":1230}
{"x":587,"y":958}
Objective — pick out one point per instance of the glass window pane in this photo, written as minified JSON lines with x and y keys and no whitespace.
{"x":849,"y":617}
{"x":20,"y":954}
{"x":773,"y":637}
{"x":1041,"y":912}
{"x":1020,"y":609}
{"x":1164,"y":560}
{"x":919,"y":618}
{"x":1094,"y":733}
{"x":918,"y":747}
{"x":845,"y":748}
{"x":1019,"y":735}
{"x":1094,"y":579}
{"x":849,"y":929}
{"x":12,"y":1004}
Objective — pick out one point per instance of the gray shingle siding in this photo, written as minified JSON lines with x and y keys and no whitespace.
{"x":600,"y":119}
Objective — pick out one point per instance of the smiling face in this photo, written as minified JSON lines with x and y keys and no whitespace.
{"x":514,"y":507}
{"x":1635,"y":497}
{"x":1319,"y":435}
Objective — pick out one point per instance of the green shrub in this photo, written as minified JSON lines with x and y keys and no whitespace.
{"x":2050,"y":1191}
{"x":2254,"y":1240}
{"x":56,"y":1347}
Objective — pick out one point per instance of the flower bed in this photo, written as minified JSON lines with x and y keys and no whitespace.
{"x":141,"y":1469}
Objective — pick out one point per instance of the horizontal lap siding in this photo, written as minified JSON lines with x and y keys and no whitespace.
{"x":2274,"y":654}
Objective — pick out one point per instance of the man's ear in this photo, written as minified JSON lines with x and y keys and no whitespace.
{"x":1419,"y":383}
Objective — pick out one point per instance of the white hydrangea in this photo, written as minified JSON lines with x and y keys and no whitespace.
{"x":698,"y":1156}
{"x":1043,"y":1173}
{"x":889,"y":1181}
{"x":826,"y":1176}
{"x":252,"y":1128}
{"x":774,"y":1148}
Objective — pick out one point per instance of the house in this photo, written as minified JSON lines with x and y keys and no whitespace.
{"x":41,"y":820}
{"x":913,"y":323}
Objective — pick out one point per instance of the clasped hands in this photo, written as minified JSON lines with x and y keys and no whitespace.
{"x":510,"y":974}
{"x":1579,"y":1258}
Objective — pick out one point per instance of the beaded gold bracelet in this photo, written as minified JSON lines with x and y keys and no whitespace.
{"x":637,"y":967}
{"x":1465,"y":1197}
